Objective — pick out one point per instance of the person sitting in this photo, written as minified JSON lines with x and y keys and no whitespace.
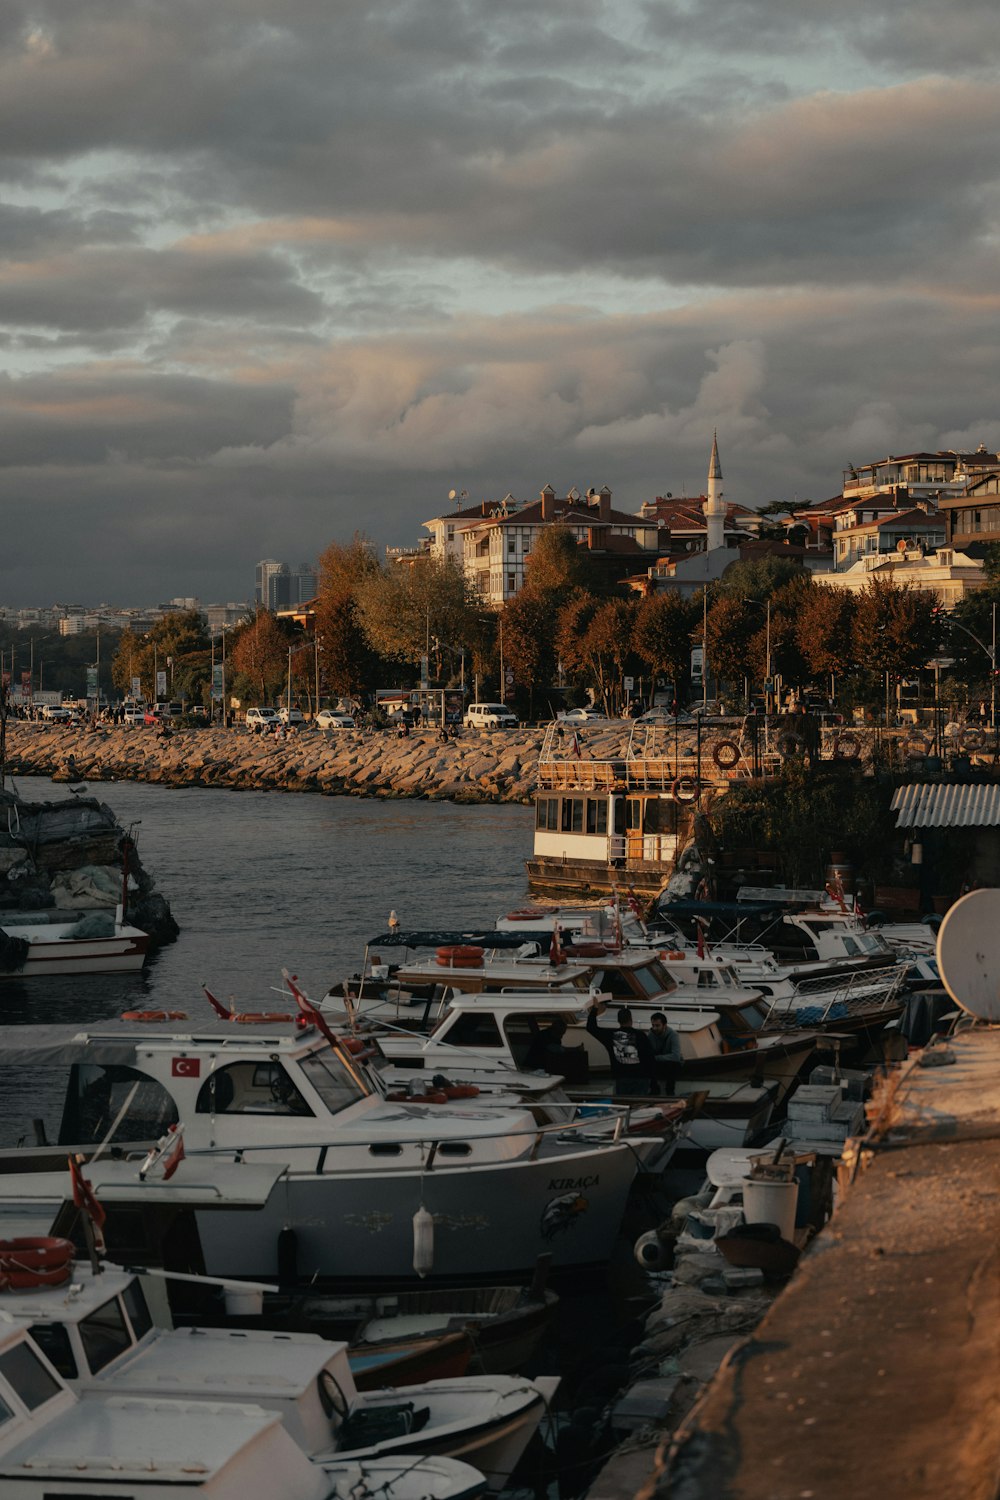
{"x":666,"y":1050}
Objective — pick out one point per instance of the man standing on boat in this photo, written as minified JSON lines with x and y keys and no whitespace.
{"x":633,"y":1062}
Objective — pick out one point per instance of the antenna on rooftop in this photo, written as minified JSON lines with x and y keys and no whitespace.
{"x":968,"y":954}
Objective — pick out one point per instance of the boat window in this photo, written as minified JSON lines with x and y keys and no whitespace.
{"x":614,"y":982}
{"x":475,"y":1029}
{"x":137,"y":1308}
{"x":95,"y":1094}
{"x":104,"y":1335}
{"x":597,"y":815}
{"x":250,"y":1088}
{"x":572,"y":814}
{"x":335,"y":1084}
{"x":5,"y":1412}
{"x":707,"y":979}
{"x":30,"y":1381}
{"x":653,"y":980}
{"x":385,"y":1148}
{"x":660,"y":978}
{"x":547,"y":813}
{"x":53,"y":1340}
{"x":454,"y":1148}
{"x":850,"y":946}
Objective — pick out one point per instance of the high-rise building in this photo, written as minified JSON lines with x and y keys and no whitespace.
{"x":280,"y":587}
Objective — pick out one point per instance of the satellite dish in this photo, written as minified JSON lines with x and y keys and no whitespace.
{"x":452,"y":494}
{"x":968,"y":953}
{"x":574,"y":494}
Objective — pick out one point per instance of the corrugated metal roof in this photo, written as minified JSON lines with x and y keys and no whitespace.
{"x":956,"y":806}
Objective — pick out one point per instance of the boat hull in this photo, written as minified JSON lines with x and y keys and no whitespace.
{"x":491,"y":1221}
{"x":69,"y":956}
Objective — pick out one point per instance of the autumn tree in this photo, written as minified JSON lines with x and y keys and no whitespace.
{"x":895,"y":629}
{"x":529,"y":641}
{"x":825,"y":630}
{"x":259,"y":656}
{"x":346,"y":656}
{"x":663,"y":630}
{"x":404,"y":608}
{"x":729,"y":630}
{"x":594,"y":640}
{"x":557,"y":564}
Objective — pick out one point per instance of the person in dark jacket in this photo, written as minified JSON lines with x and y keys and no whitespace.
{"x":666,"y":1049}
{"x":632,"y":1060}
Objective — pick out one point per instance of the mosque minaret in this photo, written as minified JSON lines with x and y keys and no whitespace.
{"x":715,"y":502}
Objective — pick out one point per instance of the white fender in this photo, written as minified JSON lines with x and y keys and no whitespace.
{"x":423,"y":1241}
{"x":650,"y":1252}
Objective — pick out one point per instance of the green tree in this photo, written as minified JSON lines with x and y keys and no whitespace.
{"x":557,"y":564}
{"x":403,"y":608}
{"x":759,"y":578}
{"x":968,"y":635}
{"x":347,"y":659}
{"x":896,"y":630}
{"x":177,"y":644}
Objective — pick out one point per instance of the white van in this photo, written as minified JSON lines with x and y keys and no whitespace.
{"x":490,"y":716}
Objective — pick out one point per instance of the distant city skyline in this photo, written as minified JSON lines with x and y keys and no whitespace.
{"x":271,"y":275}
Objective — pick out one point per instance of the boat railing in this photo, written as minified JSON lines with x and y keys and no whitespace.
{"x":432,"y":1143}
{"x":862,"y":993}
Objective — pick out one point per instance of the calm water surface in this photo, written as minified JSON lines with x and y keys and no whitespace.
{"x":260,"y":881}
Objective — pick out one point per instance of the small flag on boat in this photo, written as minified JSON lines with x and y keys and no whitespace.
{"x":86,"y":1201}
{"x":167,"y":1154}
{"x":555,"y":948}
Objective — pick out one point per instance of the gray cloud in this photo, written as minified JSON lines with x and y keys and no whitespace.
{"x":269,"y":274}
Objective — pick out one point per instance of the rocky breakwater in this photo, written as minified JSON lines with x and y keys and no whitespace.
{"x":478,"y":767}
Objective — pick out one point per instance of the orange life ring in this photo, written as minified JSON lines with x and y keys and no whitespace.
{"x":154,"y":1015}
{"x":38,"y":1261}
{"x":529,"y":914}
{"x":970,"y":739}
{"x":461,"y":956}
{"x":726,"y":754}
{"x":847,"y":747}
{"x":356,"y":1046}
{"x":685,"y":789}
{"x":674,"y":953}
{"x":262,"y":1017}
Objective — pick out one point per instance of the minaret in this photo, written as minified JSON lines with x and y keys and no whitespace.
{"x":715,"y":501}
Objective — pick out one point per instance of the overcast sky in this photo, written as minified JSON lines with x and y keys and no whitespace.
{"x":273,"y":273}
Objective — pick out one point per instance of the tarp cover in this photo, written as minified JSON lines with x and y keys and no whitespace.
{"x":60,"y":1046}
{"x":483,"y":938}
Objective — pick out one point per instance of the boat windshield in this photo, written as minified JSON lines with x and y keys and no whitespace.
{"x":654,"y":979}
{"x":29,"y":1379}
{"x":332,"y":1081}
{"x":95,"y":1094}
{"x":105,"y":1334}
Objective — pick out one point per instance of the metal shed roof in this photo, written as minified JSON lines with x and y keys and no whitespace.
{"x":947,"y":806}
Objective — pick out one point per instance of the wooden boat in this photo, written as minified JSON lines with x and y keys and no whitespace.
{"x":96,"y":943}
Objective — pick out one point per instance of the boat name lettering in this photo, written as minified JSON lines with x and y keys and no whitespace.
{"x":564,"y":1184}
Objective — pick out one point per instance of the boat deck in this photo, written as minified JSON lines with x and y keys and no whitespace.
{"x":875,"y":1373}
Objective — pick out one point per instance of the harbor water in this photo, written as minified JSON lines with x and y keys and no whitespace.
{"x":265,"y":881}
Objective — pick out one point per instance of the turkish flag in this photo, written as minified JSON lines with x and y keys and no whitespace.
{"x":185,"y":1067}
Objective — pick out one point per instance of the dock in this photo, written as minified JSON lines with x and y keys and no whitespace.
{"x":875,"y":1374}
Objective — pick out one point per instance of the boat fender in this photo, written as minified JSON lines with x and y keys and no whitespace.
{"x":154,"y":1015}
{"x":726,"y":754}
{"x":288,"y":1256}
{"x":423,"y":1241}
{"x":848,"y":747}
{"x":685,"y":789}
{"x":650,"y":1252}
{"x":587,"y":950}
{"x":674,"y":953}
{"x":39,"y":1261}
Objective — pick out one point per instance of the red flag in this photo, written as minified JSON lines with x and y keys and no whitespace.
{"x":575,"y":746}
{"x":309,"y":1011}
{"x":555,"y":949}
{"x":185,"y":1067}
{"x":86,"y":1200}
{"x":167,"y":1154}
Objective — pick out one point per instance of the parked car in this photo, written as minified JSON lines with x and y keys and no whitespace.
{"x":54,"y":713}
{"x":664,"y":716}
{"x":330,"y":718}
{"x":132,"y":714}
{"x":262,"y":718}
{"x":490,"y":716}
{"x":581,"y":715}
{"x":291,"y":716}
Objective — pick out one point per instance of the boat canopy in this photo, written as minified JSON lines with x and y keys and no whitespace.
{"x":765,"y":910}
{"x":61,"y":1046}
{"x":429,"y":938}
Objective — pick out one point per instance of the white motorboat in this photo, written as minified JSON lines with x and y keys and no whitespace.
{"x":94,"y":943}
{"x":365,"y":1178}
{"x":99,"y":1334}
{"x":55,"y":1441}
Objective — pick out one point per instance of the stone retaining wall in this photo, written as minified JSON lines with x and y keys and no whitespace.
{"x":479,"y":767}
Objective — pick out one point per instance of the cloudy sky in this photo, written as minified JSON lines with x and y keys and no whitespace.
{"x":271,"y":273}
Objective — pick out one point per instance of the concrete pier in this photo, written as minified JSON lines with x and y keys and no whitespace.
{"x":876,"y":1373}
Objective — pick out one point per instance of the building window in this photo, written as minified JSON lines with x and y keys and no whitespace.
{"x":511,"y":547}
{"x":511,"y":583}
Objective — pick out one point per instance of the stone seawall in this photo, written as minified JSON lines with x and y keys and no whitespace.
{"x":479,"y":767}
